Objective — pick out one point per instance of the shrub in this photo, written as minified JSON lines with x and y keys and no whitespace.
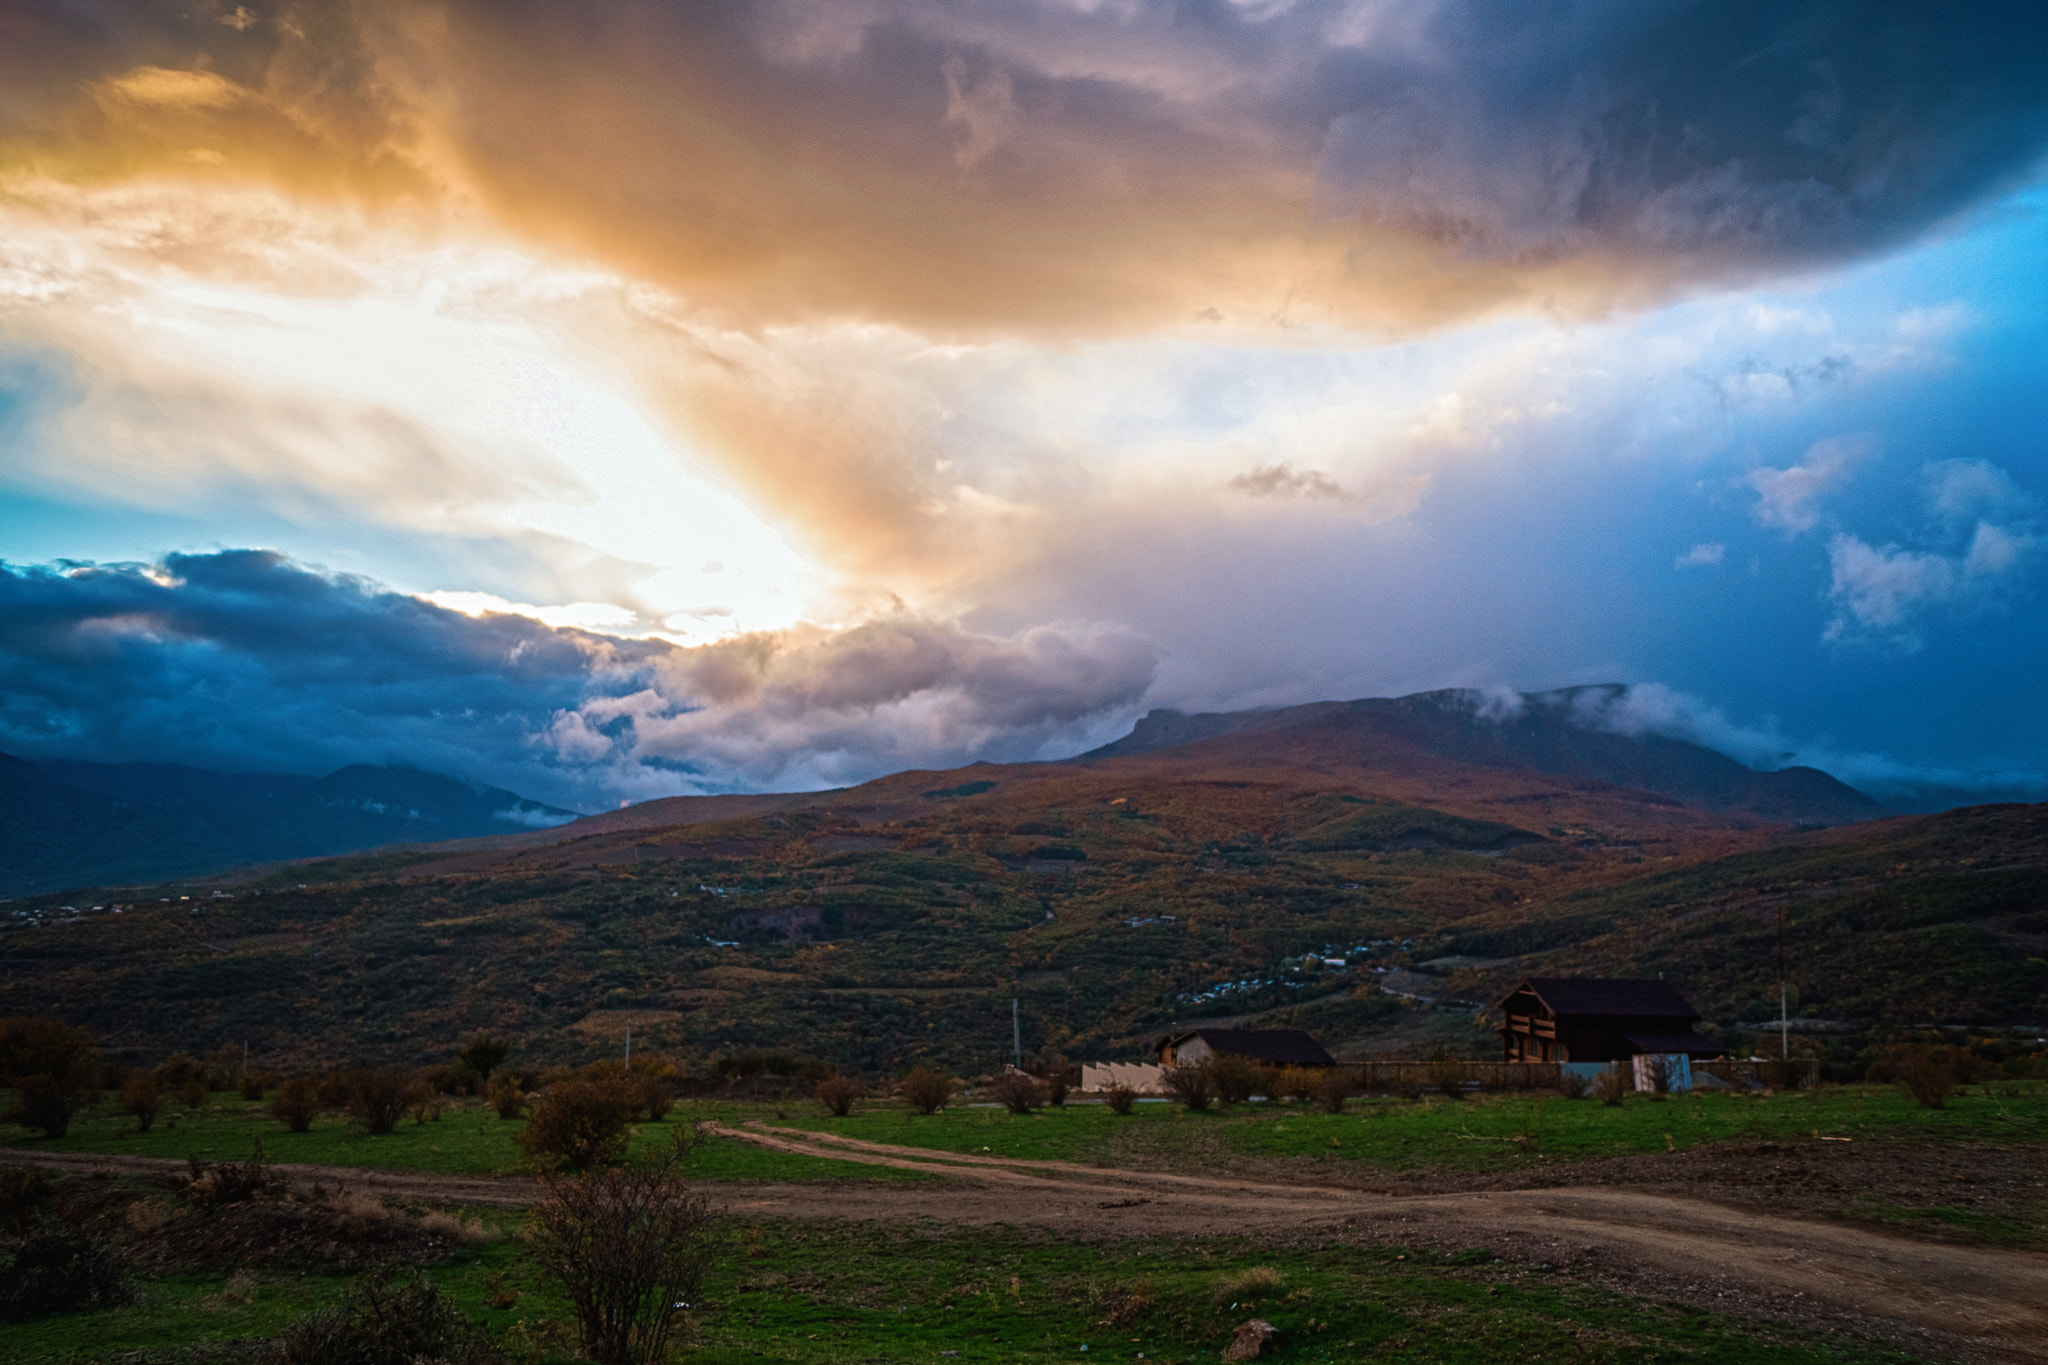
{"x":1057,"y":1076}
{"x":1190,"y":1085}
{"x":1573,"y":1085}
{"x":629,"y":1249}
{"x":179,"y":1068}
{"x":1017,"y":1091}
{"x":255,"y":1084}
{"x":837,"y":1094}
{"x":386,"y":1318}
{"x":426,"y":1105}
{"x":926,"y":1090}
{"x":24,"y":1193}
{"x":232,"y":1182}
{"x":1336,"y":1090}
{"x":1611,"y":1086}
{"x":54,"y":1069}
{"x":1928,"y":1074}
{"x":1236,"y":1079}
{"x":1659,"y":1073}
{"x":1447,"y":1073}
{"x":506,"y":1097}
{"x":58,"y":1265}
{"x":377,"y":1097}
{"x":1247,"y":1286}
{"x":296,"y":1103}
{"x":1120,"y":1098}
{"x":193,"y":1093}
{"x":654,"y":1083}
{"x":141,"y":1098}
{"x":484,"y":1054}
{"x":578,"y":1123}
{"x":1302,"y":1083}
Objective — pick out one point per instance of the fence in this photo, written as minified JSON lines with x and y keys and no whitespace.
{"x":1799,"y":1073}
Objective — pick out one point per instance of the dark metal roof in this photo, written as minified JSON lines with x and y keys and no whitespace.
{"x":1594,"y":995}
{"x":1278,"y":1046}
{"x":1692,"y":1044}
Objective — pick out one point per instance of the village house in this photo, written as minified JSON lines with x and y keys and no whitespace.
{"x":1268,"y":1046}
{"x":1587,"y":1024}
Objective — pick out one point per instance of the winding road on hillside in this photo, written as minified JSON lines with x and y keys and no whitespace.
{"x":1957,"y":1302}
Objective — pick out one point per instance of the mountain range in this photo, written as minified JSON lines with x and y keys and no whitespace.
{"x":65,"y":823}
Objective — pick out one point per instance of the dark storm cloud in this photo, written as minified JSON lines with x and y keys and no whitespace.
{"x":1049,"y":164}
{"x":243,"y":659}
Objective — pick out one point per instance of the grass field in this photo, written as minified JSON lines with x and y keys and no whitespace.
{"x":1432,"y":1133}
{"x":828,"y":1294}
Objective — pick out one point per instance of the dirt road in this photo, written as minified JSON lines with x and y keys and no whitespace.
{"x":1957,"y":1302}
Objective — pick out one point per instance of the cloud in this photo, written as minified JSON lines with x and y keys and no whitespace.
{"x":245,"y":659}
{"x":1708,"y":554}
{"x":1653,"y":708}
{"x":1785,"y":497}
{"x":1281,"y":481}
{"x":1088,"y":165}
{"x":1882,"y":591}
{"x":1963,"y":490}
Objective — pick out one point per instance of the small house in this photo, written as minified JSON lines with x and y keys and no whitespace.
{"x":1268,"y":1046}
{"x":1587,"y":1023}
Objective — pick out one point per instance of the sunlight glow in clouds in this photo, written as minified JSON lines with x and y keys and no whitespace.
{"x":824,"y":388}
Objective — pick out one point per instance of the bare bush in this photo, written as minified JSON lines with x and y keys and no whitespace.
{"x":1236,"y":1079}
{"x":387,"y":1318}
{"x":296,"y":1103}
{"x":1017,"y":1091}
{"x":54,"y":1069}
{"x":1302,"y":1083}
{"x":630,"y":1249}
{"x":1191,"y":1085}
{"x":232,"y":1182}
{"x":377,"y":1097}
{"x":256,"y":1084}
{"x":1119,"y":1097}
{"x":1336,"y":1090}
{"x":926,"y":1090}
{"x":837,"y":1094}
{"x":193,"y":1093}
{"x":1573,"y":1085}
{"x":506,"y":1097}
{"x":579,"y":1124}
{"x":1611,"y":1087}
{"x":141,"y":1099}
{"x":1928,"y":1074}
{"x":1447,"y":1073}
{"x":57,"y":1265}
{"x":1058,"y":1076}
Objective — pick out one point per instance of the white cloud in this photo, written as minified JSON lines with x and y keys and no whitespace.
{"x":1958,"y":490}
{"x":1786,"y":497}
{"x":1880,"y":592}
{"x":1704,"y":555}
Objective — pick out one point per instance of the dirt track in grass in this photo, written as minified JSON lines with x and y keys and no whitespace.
{"x":1950,"y":1301}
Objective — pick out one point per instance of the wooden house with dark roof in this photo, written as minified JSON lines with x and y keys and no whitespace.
{"x":1587,"y":1019}
{"x":1270,"y":1046}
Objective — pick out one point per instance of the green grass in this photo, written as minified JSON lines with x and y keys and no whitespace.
{"x":824,"y":1293}
{"x":1438,"y":1133}
{"x":469,"y":1139}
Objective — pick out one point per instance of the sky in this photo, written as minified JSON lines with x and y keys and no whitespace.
{"x":624,"y":400}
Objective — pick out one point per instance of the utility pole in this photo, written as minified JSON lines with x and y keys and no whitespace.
{"x":1016,"y":1035}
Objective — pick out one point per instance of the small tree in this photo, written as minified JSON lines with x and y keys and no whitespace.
{"x":1611,"y":1087}
{"x":579,"y":1124}
{"x":1447,"y":1073}
{"x":1119,"y":1097}
{"x":377,"y":1097}
{"x":506,"y":1097}
{"x":1573,"y":1085}
{"x":1057,"y":1075}
{"x":1928,"y":1074}
{"x":1191,"y":1085}
{"x":837,"y":1094}
{"x":1336,"y":1090}
{"x":630,"y":1249}
{"x":297,"y":1103}
{"x":483,"y":1054}
{"x":1302,"y":1083}
{"x":142,"y":1097}
{"x":53,"y":1068}
{"x":1236,"y":1078}
{"x":1017,"y":1091}
{"x":926,"y":1090}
